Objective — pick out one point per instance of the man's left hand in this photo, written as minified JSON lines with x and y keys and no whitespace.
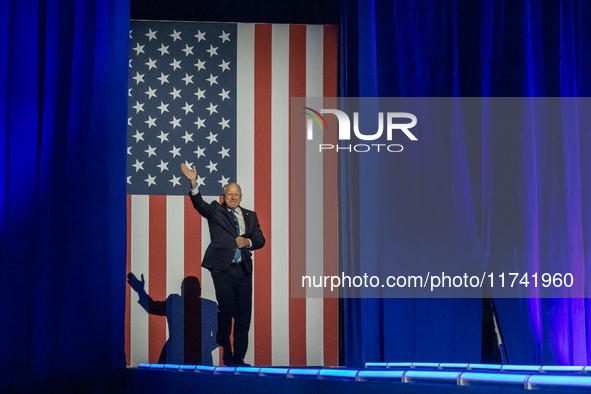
{"x":242,"y":242}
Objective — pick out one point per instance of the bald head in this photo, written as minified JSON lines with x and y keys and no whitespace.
{"x":232,"y":184}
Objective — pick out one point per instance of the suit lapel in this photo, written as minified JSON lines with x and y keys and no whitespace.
{"x":247,"y":220}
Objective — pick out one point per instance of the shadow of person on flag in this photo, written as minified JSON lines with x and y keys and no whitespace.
{"x":192,"y":322}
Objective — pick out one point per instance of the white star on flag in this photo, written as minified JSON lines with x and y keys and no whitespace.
{"x":200,"y":152}
{"x":224,"y":181}
{"x":212,"y":138}
{"x":176,"y":35}
{"x":200,"y":123}
{"x":150,"y":151}
{"x":188,"y":79}
{"x":212,"y":108}
{"x":138,"y":165}
{"x":139,"y":48}
{"x":200,"y":36}
{"x":224,"y":152}
{"x":163,"y":136}
{"x":175,"y":64}
{"x":200,"y":65}
{"x":163,"y":78}
{"x":200,"y":181}
{"x":151,"y":63}
{"x":225,"y":65}
{"x":224,"y":123}
{"x":151,"y":34}
{"x":212,"y":166}
{"x":187,"y":137}
{"x":212,"y":79}
{"x":175,"y":181}
{"x":175,"y":122}
{"x":151,"y":122}
{"x":200,"y":94}
{"x":188,"y":108}
{"x":188,"y":50}
{"x":151,"y":180}
{"x":163,"y":49}
{"x":151,"y":93}
{"x":224,"y":94}
{"x":225,"y":36}
{"x":138,"y":107}
{"x":175,"y":93}
{"x":163,"y":166}
{"x":212,"y":51}
{"x":139,"y":78}
{"x":138,"y":136}
{"x":175,"y":151}
{"x":163,"y":108}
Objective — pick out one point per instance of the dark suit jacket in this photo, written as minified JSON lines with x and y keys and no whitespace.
{"x":222,"y":231}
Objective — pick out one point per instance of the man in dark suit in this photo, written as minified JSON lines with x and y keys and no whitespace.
{"x":234,"y":233}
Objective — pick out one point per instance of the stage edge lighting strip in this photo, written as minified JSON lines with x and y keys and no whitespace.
{"x":529,"y":381}
{"x":338,"y":374}
{"x":302,"y":372}
{"x":467,"y":378}
{"x":548,"y":380}
{"x":449,"y":377}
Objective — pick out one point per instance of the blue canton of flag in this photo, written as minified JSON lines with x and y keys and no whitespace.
{"x":182,"y":106}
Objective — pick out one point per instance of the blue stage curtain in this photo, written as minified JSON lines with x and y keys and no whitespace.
{"x":63,"y":115}
{"x":535,"y":187}
{"x":536,"y":211}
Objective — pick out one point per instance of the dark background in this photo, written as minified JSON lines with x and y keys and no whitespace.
{"x":299,"y":11}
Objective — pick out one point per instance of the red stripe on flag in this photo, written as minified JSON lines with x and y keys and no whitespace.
{"x":331,"y":41}
{"x":128,"y":288}
{"x":262,"y":183}
{"x":157,"y":276}
{"x":192,"y":240}
{"x":330,"y":192}
{"x":297,"y":199}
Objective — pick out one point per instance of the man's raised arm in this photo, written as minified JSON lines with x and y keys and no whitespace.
{"x":203,"y":208}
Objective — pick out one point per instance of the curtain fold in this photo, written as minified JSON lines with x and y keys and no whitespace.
{"x":63,"y":89}
{"x":520,"y":197}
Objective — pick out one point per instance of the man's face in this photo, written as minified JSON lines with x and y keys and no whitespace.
{"x":233,"y":196}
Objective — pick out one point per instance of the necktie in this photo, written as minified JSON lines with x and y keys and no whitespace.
{"x":237,"y":253}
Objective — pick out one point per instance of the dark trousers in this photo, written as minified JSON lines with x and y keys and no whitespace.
{"x":233,"y":290}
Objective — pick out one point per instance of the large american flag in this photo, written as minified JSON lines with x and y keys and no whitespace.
{"x":217,"y":96}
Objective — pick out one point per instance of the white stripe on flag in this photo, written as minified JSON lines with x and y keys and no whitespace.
{"x":280,"y":196}
{"x":140,"y":260}
{"x":175,"y":236}
{"x":175,"y":250}
{"x":314,"y":199}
